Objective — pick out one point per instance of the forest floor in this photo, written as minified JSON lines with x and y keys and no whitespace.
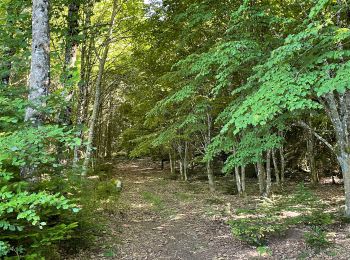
{"x":161,"y":218}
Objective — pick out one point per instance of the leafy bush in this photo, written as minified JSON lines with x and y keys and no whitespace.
{"x":254,"y":231}
{"x":30,"y":221}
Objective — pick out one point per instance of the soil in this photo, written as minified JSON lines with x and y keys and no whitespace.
{"x":164,"y":218}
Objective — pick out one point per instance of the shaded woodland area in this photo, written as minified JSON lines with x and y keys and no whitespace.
{"x":174,"y":129}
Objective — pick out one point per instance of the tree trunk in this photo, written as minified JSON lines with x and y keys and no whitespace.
{"x":311,"y":157}
{"x":207,"y":140}
{"x":39,"y":80}
{"x":97,"y":102}
{"x":261,"y":179}
{"x":268,"y":173}
{"x":238,"y":180}
{"x":243,"y":179}
{"x":337,"y":107}
{"x":171,"y":162}
{"x":344,"y":161}
{"x":181,"y":169}
{"x":210,"y":176}
{"x":185,"y":159}
{"x":275,"y":167}
{"x":83,"y":84}
{"x":283,"y":164}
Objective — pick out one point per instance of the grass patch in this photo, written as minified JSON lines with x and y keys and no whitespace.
{"x":154,"y":199}
{"x":215,"y":201}
{"x":275,"y":216}
{"x":182,"y":196}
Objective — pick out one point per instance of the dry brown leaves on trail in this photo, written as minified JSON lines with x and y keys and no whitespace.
{"x":167,"y":219}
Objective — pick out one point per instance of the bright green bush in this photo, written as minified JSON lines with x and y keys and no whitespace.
{"x":29,"y":221}
{"x":255,"y":231}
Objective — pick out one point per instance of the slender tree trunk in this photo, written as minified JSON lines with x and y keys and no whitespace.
{"x":344,"y":161}
{"x":268,"y":173}
{"x":109,"y":130}
{"x":243,"y":179}
{"x":311,"y":157}
{"x":84,"y":82}
{"x":171,"y":162}
{"x":261,"y":179}
{"x":283,"y":164}
{"x":97,"y":102}
{"x":181,"y":169}
{"x":275,"y":167}
{"x":185,"y":159}
{"x":238,"y":180}
{"x":210,"y":176}
{"x":207,"y":140}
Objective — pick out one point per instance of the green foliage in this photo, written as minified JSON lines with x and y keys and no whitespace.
{"x":254,"y":231}
{"x":264,"y":250}
{"x":277,"y":216}
{"x":30,"y":221}
{"x":99,"y":200}
{"x":31,"y":218}
{"x":317,"y":238}
{"x":33,"y":145}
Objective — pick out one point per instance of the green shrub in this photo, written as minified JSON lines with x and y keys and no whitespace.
{"x":255,"y":231}
{"x":317,"y":238}
{"x":30,"y":221}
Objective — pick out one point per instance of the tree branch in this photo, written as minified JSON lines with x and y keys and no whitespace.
{"x":306,"y":126}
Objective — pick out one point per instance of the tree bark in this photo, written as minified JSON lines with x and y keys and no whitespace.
{"x":39,"y":80}
{"x":283,"y":164}
{"x":171,"y":162}
{"x":186,"y":161}
{"x":238,"y":180}
{"x":311,"y":157}
{"x":207,"y":140}
{"x":243,"y":179}
{"x":84,"y":82}
{"x":210,"y":176}
{"x":338,"y":110}
{"x":261,"y":179}
{"x":268,"y":173}
{"x":275,"y":167}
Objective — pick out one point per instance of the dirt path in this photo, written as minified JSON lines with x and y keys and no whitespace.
{"x":167,"y":219}
{"x":173,"y":220}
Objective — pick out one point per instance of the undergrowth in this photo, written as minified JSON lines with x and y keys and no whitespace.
{"x":154,"y":199}
{"x":97,"y":198}
{"x":276,"y":216}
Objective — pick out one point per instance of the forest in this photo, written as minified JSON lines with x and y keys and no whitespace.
{"x":174,"y":129}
